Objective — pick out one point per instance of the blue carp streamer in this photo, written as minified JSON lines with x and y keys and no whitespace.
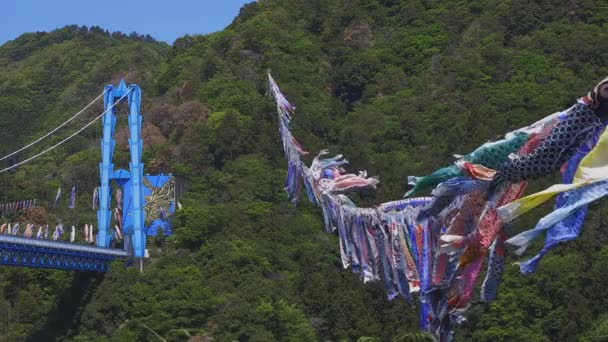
{"x":291,"y":147}
{"x":72,"y":198}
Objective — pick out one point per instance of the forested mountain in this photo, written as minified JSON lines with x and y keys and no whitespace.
{"x":397,"y":86}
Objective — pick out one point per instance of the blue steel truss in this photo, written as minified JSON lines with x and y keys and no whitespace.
{"x":20,"y":251}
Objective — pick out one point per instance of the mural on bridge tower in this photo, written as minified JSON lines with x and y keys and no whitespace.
{"x":159,"y":195}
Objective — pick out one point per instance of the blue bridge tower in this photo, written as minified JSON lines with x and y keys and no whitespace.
{"x":136,"y":232}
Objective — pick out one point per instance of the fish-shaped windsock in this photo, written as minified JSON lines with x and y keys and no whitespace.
{"x":72,"y":197}
{"x":73,"y":234}
{"x":91,"y":235}
{"x":572,"y":131}
{"x":28,"y":230}
{"x":39,"y":234}
{"x":46,"y":231}
{"x":118,"y":232}
{"x":118,"y":217}
{"x":3,"y":228}
{"x":292,"y":148}
{"x":576,"y":199}
{"x":569,"y":228}
{"x":429,"y":181}
{"x":584,"y":169}
{"x":119,"y":198}
{"x":57,"y":197}
{"x":496,"y":262}
{"x":95,"y":198}
{"x":589,"y":164}
{"x":490,"y":155}
{"x":86,"y":232}
{"x":15,"y":229}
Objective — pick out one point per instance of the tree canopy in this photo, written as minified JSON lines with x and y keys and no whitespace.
{"x":396,"y":86}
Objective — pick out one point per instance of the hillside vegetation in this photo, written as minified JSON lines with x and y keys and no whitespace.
{"x":397,"y":86}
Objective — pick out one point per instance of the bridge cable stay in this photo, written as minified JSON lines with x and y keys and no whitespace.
{"x":66,"y":139}
{"x":13,"y":154}
{"x":55,"y":129}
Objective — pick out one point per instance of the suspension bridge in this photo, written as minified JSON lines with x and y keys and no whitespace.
{"x":142,"y":203}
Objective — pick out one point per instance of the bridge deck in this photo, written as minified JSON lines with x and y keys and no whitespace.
{"x":29,"y":252}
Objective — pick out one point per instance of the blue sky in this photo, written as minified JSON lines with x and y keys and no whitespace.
{"x":164,"y":20}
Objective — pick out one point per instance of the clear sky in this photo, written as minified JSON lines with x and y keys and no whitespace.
{"x":163,"y":20}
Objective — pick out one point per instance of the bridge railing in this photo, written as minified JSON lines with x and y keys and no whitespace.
{"x":61,"y":245}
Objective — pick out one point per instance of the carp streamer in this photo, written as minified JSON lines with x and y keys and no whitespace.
{"x":436,"y":246}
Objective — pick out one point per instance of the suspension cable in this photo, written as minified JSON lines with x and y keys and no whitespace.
{"x":55,"y":129}
{"x":66,"y":139}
